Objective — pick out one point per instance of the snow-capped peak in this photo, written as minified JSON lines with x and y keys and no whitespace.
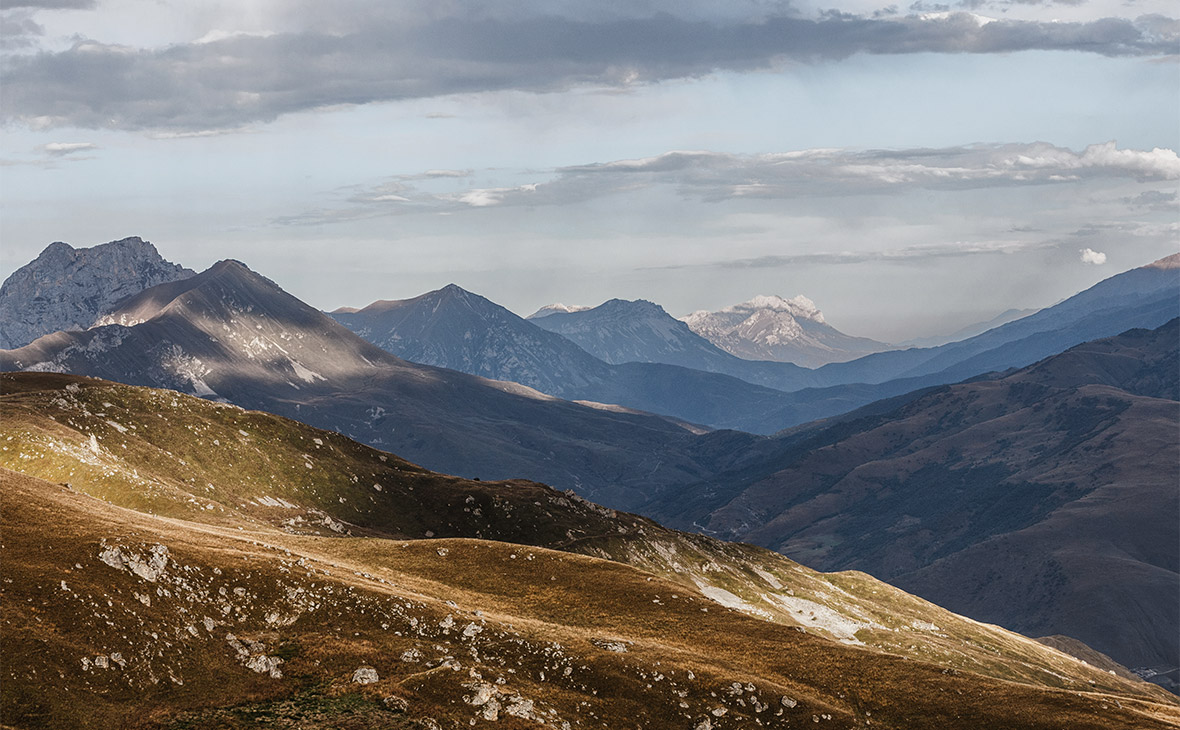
{"x":770,"y":327}
{"x":799,"y":306}
{"x":557,"y":308}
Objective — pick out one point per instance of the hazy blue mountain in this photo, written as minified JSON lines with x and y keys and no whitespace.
{"x":67,"y":288}
{"x":1045,"y":501}
{"x":622,"y":331}
{"x":970,"y":330}
{"x":1144,"y":297}
{"x":460,"y":330}
{"x":619,"y":331}
{"x":456,"y":329}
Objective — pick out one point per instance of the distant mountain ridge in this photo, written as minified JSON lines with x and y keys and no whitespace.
{"x":1147,"y":296}
{"x":619,"y":331}
{"x":970,"y":330}
{"x":459,"y":330}
{"x":782,"y":330}
{"x":67,"y":288}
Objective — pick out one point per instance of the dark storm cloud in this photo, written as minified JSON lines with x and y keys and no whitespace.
{"x":243,"y":79}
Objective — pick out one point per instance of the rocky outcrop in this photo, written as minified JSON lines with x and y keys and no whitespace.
{"x":67,"y":288}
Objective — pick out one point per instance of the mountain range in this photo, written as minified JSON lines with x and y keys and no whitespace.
{"x":457,"y":329}
{"x":173,"y":562}
{"x":229,"y":333}
{"x":882,"y":485}
{"x":612,"y":353}
{"x":1143,"y":297}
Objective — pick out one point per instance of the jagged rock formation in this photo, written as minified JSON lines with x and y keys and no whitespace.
{"x":67,"y":288}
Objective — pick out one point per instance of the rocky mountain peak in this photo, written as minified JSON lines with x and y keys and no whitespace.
{"x":770,"y":327}
{"x":799,"y":306}
{"x":1167,"y":262}
{"x":67,"y":288}
{"x":632,"y":308}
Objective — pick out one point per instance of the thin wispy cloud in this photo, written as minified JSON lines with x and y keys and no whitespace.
{"x":828,"y":172}
{"x":953,"y":249}
{"x":199,"y":133}
{"x":1156,"y":200}
{"x":61,"y":149}
{"x":228,"y":80}
{"x":716,"y":177}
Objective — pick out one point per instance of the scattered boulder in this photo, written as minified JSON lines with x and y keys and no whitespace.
{"x":393,"y":703}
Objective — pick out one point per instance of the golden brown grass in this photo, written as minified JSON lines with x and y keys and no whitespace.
{"x":327,"y":605}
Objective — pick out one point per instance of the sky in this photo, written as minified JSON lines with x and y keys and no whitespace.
{"x":911,"y":168}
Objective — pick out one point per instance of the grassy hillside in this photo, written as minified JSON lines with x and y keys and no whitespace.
{"x":315,"y":531}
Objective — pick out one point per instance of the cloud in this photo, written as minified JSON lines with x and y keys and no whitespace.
{"x":229,"y":80}
{"x":715,"y":176}
{"x":51,"y":4}
{"x":61,"y":149}
{"x":484,"y":197}
{"x":18,"y":30}
{"x":1090,"y":256}
{"x":436,"y":175}
{"x":782,"y":176}
{"x":955,"y":249}
{"x":1156,"y":200}
{"x":200,"y":133}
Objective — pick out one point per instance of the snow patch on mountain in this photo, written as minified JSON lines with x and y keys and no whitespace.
{"x":557,"y":308}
